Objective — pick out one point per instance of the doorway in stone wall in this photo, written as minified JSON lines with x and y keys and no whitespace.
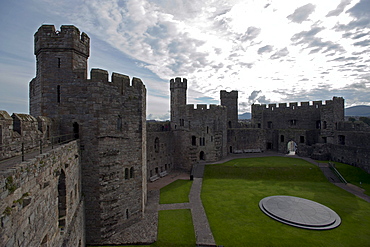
{"x":202,"y":156}
{"x":291,"y":147}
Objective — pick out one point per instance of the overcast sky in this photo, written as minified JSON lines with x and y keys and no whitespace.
{"x":270,"y":51}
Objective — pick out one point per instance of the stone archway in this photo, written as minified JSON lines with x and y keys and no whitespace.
{"x":291,"y":147}
{"x":202,"y":155}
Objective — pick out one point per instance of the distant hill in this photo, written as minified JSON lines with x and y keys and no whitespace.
{"x":359,"y":111}
{"x":246,"y":115}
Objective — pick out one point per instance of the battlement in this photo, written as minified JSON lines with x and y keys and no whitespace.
{"x":178,"y":83}
{"x":225,"y":94}
{"x":121,"y":81}
{"x":68,"y":38}
{"x":22,"y":128}
{"x":298,"y":105}
{"x":204,"y":107}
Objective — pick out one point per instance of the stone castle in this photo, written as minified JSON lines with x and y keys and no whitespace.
{"x":92,"y":184}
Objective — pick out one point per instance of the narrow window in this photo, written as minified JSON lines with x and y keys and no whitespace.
{"x":126,"y":173}
{"x":119,"y":123}
{"x":76,"y":130}
{"x":325,"y":125}
{"x":58,"y":93}
{"x":126,"y":213}
{"x":229,"y":124}
{"x":62,"y":200}
{"x":318,"y":124}
{"x":269,"y":125}
{"x":207,"y":129}
{"x":156,"y":145}
{"x":342,"y":140}
{"x":301,"y":139}
{"x":131,"y":172}
{"x":281,"y":138}
{"x":58,"y":62}
{"x":193,"y":141}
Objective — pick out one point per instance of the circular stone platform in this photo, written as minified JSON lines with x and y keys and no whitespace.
{"x":300,"y":212}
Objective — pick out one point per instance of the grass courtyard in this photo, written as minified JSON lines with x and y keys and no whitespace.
{"x":232,"y":190}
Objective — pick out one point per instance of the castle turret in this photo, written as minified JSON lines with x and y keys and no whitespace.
{"x":61,"y":56}
{"x":230,"y":100}
{"x":178,"y":101}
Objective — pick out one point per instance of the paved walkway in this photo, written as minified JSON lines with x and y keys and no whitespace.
{"x":203,"y":233}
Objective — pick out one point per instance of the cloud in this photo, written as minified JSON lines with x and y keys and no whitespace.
{"x":301,"y":14}
{"x":265,"y":49}
{"x":257,"y":97}
{"x":250,"y":34}
{"x":360,"y":13}
{"x":281,"y":53}
{"x":309,"y":39}
{"x":340,"y":8}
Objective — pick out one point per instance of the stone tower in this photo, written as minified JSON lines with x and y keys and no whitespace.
{"x":178,"y":89}
{"x":230,"y":100}
{"x":108,"y":117}
{"x":61,"y":60}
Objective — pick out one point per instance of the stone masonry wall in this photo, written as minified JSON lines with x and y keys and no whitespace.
{"x":41,"y":201}
{"x":159,"y":150}
{"x":22,"y":129}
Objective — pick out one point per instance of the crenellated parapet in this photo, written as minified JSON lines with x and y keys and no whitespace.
{"x":68,"y":38}
{"x":232,"y":94}
{"x":22,"y":131}
{"x":298,"y":105}
{"x":178,"y":83}
{"x":122,"y":82}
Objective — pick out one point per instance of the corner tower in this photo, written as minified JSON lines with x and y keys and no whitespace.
{"x":230,"y":100}
{"x":61,"y":58}
{"x":178,"y":89}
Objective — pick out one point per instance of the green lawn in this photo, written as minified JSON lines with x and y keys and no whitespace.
{"x":355,"y":175}
{"x":175,"y":228}
{"x":231,"y":193}
{"x":176,"y":192}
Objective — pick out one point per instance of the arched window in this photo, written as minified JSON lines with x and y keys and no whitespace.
{"x":62,"y":200}
{"x":202,"y":156}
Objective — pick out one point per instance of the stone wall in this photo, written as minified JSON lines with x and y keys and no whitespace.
{"x":41,"y":200}
{"x":22,"y":133}
{"x":159,"y":150}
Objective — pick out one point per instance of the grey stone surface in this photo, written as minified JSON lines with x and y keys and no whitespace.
{"x":202,"y":229}
{"x":300,"y":212}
